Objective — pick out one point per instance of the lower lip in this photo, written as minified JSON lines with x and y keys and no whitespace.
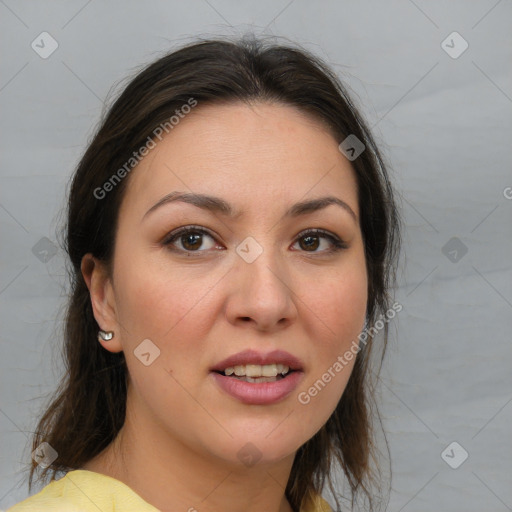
{"x":259,"y":394}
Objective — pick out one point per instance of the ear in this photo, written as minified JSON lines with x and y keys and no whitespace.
{"x":102,"y":300}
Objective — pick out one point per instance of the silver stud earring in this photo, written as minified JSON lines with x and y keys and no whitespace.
{"x":105,"y":335}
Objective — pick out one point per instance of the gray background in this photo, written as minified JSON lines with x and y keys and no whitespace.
{"x":445,"y":126}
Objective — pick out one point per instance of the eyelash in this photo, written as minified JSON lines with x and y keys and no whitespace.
{"x":338,"y":244}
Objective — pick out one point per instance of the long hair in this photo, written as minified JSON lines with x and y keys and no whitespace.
{"x":88,"y":408}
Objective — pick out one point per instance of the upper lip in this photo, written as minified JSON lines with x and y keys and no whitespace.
{"x":260,"y":358}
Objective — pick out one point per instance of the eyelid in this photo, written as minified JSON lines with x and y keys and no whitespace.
{"x":183,"y":230}
{"x":335,"y":240}
{"x":317,"y":231}
{"x":188,"y":227}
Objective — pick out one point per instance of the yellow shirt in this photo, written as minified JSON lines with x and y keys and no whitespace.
{"x":81,"y":490}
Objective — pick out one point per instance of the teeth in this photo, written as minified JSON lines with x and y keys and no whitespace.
{"x":258,"y":379}
{"x":256,"y":370}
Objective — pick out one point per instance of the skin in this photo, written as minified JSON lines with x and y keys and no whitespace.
{"x":178,"y":447}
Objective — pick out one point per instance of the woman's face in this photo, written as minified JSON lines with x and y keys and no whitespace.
{"x":255,"y":280}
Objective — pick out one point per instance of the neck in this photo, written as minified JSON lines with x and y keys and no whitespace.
{"x":172,"y":476}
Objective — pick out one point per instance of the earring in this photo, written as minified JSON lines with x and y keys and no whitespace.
{"x":105,"y":335}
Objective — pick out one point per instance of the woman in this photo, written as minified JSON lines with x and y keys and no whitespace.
{"x":233,"y":234}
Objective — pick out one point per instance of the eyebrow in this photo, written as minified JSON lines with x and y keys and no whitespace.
{"x":218,"y":205}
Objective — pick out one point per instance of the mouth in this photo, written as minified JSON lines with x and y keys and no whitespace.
{"x":255,"y":373}
{"x":258,"y":379}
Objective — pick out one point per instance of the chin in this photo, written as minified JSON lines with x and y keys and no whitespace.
{"x":252,"y":451}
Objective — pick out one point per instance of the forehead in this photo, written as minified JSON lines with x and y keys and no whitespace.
{"x":247,"y":154}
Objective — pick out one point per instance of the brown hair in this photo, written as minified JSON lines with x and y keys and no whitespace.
{"x":88,"y":408}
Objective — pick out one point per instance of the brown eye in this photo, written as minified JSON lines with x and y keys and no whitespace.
{"x":190,"y":238}
{"x":191,"y":242}
{"x":311,"y":241}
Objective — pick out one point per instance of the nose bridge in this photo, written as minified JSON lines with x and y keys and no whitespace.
{"x":262,"y":290}
{"x":260,"y":261}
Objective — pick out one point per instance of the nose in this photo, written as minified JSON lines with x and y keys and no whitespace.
{"x":262,"y":294}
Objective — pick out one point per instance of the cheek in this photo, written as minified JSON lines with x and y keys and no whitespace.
{"x":341,"y":318}
{"x":339,"y":302}
{"x":155,"y":299}
{"x":163,"y":305}
{"x":338,"y":309}
{"x":171,"y":308}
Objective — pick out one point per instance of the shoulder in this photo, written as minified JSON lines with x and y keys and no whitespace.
{"x":37,"y":504}
{"x":53,"y":497}
{"x":316,"y":504}
{"x":322,"y":505}
{"x":87,"y":491}
{"x":84,"y":491}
